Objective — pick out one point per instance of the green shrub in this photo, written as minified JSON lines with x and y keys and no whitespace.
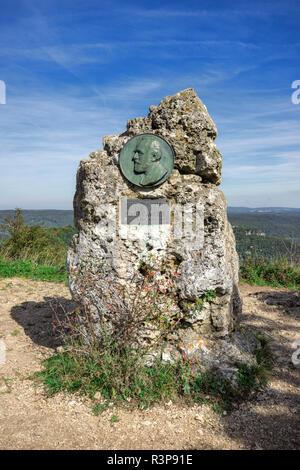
{"x":33,"y":251}
{"x":33,"y":243}
{"x":122,"y":377}
{"x":116,"y":363}
{"x":116,"y":376}
{"x":278,"y":273}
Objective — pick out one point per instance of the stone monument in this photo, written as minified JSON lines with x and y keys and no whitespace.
{"x":153,"y":190}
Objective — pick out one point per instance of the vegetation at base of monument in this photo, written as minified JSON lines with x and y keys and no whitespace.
{"x":143,"y":312}
{"x":33,"y":251}
{"x":250,"y":378}
{"x":120,"y":368}
{"x":277,"y":273}
{"x":111,"y":377}
{"x":190,"y":308}
{"x":139,"y":313}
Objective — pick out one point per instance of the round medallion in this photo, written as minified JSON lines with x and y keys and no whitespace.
{"x":146,"y":160}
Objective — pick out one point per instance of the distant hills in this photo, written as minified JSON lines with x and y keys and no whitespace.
{"x":277,"y":221}
{"x":61,"y":218}
{"x":47,"y":218}
{"x":270,"y":232}
{"x":284,"y":224}
{"x":264,"y":210}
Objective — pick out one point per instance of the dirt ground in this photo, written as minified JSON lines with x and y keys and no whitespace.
{"x":30,"y":420}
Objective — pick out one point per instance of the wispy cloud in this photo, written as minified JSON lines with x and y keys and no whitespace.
{"x":73,"y":55}
{"x":43,"y":139}
{"x":235,"y":10}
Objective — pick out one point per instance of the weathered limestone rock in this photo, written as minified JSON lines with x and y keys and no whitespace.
{"x":184,"y":122}
{"x":207,"y":266}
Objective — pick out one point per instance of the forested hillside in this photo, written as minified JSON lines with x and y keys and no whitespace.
{"x":252,"y":242}
{"x":281,"y":225}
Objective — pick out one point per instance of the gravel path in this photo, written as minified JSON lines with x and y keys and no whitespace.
{"x":29,"y":420}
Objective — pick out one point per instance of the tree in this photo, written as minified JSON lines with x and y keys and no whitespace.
{"x":30,"y":242}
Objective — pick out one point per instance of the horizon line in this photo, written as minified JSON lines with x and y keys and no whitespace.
{"x":229,"y":206}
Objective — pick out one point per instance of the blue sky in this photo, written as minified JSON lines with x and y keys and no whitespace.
{"x":76,"y":70}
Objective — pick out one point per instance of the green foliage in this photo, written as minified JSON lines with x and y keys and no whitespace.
{"x":114,"y":419}
{"x":210,"y":295}
{"x":33,"y":252}
{"x":33,"y":243}
{"x":264,"y":356}
{"x":198,"y":304}
{"x":190,"y":307}
{"x":251,"y":242}
{"x":246,"y":377}
{"x":278,"y":273}
{"x":250,"y":378}
{"x":116,"y":365}
{"x":31,"y":270}
{"x":15,"y":332}
{"x":124,"y":378}
{"x":65,"y":234}
{"x":215,"y":390}
{"x":116,"y":376}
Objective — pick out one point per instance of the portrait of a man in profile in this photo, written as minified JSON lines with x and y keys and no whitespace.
{"x":147,"y":161}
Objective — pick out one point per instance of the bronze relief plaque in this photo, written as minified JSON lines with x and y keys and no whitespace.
{"x":146,"y":160}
